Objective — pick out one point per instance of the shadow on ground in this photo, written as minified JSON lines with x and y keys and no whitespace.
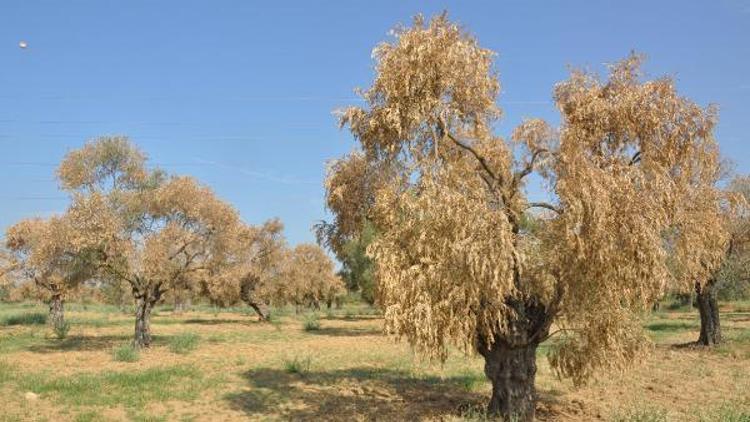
{"x":219,"y":321}
{"x":362,"y":393}
{"x":346,"y":332}
{"x":350,"y":394}
{"x":90,"y":343}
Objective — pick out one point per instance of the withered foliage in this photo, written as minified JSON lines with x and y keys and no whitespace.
{"x":308,"y":278}
{"x":632,"y":171}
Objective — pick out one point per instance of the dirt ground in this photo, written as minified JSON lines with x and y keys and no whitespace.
{"x":345,"y":370}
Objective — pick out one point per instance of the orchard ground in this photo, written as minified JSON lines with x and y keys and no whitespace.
{"x":216,"y":364}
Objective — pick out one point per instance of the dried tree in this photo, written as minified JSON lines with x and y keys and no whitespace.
{"x":308,"y":278}
{"x":46,"y":252}
{"x":456,"y":260}
{"x":252,"y":273}
{"x":152,"y":231}
{"x":734,"y":223}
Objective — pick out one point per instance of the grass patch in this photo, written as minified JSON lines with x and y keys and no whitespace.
{"x":131,"y":389}
{"x":298,"y":365}
{"x":61,"y":330}
{"x":26,"y":318}
{"x":125,"y":353}
{"x":471,"y":381}
{"x":727,"y":412}
{"x":184,"y":343}
{"x":312,"y":323}
{"x":641,"y":413}
{"x":17,"y":341}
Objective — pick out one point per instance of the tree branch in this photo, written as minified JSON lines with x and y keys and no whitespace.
{"x":544,"y":205}
{"x":636,"y":158}
{"x":529,"y":166}
{"x":471,"y":150}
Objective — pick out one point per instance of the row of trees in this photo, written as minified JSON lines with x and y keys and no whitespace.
{"x":132,"y":226}
{"x":461,"y":256}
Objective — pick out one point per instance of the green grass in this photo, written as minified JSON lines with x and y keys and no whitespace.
{"x":131,"y":389}
{"x":641,"y":413}
{"x":27,"y":318}
{"x":61,"y":330}
{"x":184,"y":343}
{"x":18,"y":341}
{"x":312,"y":323}
{"x":125,"y":353}
{"x":727,"y":412}
{"x":298,"y":365}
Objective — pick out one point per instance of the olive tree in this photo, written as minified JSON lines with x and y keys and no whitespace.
{"x":308,"y":278}
{"x":350,"y":185}
{"x":153,"y":232}
{"x":252,"y":272}
{"x":735,"y":261}
{"x":456,"y":262}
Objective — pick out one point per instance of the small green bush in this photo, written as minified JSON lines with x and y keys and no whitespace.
{"x":61,"y":330}
{"x":312,"y":323}
{"x":125,"y":353}
{"x":28,"y":318}
{"x":184,"y":343}
{"x":298,"y":365}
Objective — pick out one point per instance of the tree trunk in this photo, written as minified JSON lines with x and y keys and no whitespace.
{"x":708,"y":307}
{"x":56,"y":310}
{"x":259,"y":309}
{"x":512,"y":371}
{"x":143,"y":307}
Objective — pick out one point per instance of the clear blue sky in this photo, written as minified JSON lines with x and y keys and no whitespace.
{"x":240,"y":93}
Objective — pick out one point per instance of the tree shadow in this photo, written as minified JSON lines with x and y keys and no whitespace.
{"x":351,"y":394}
{"x":364,"y":393}
{"x":91,"y":343}
{"x":220,"y":321}
{"x":672,"y":326}
{"x":346,"y":332}
{"x":353,"y":318}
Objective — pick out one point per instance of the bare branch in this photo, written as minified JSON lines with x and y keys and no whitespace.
{"x":544,"y":205}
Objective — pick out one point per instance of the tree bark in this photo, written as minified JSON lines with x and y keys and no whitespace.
{"x":143,"y":309}
{"x":708,"y":308}
{"x":512,"y":371}
{"x":145,"y":300}
{"x":259,"y":309}
{"x":510,"y":359}
{"x":247,"y":294}
{"x":56,"y":310}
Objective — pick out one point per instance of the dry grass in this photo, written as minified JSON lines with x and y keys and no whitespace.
{"x":240,"y":368}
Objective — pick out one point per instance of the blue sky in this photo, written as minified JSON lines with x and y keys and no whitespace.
{"x":239,"y":94}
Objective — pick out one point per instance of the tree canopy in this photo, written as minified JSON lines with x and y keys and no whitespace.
{"x":455,"y":263}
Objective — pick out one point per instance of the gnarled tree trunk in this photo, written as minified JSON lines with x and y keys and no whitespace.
{"x":145,"y":300}
{"x":512,"y":371}
{"x":260,"y":309}
{"x":510,"y":361}
{"x":708,"y":307}
{"x":56,"y":310}
{"x":247,"y":294}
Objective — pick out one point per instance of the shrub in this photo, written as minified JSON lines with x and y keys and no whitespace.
{"x":29,"y":318}
{"x":298,"y":365}
{"x":184,"y":343}
{"x":125,"y":353}
{"x":61,"y":330}
{"x":312,"y":323}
